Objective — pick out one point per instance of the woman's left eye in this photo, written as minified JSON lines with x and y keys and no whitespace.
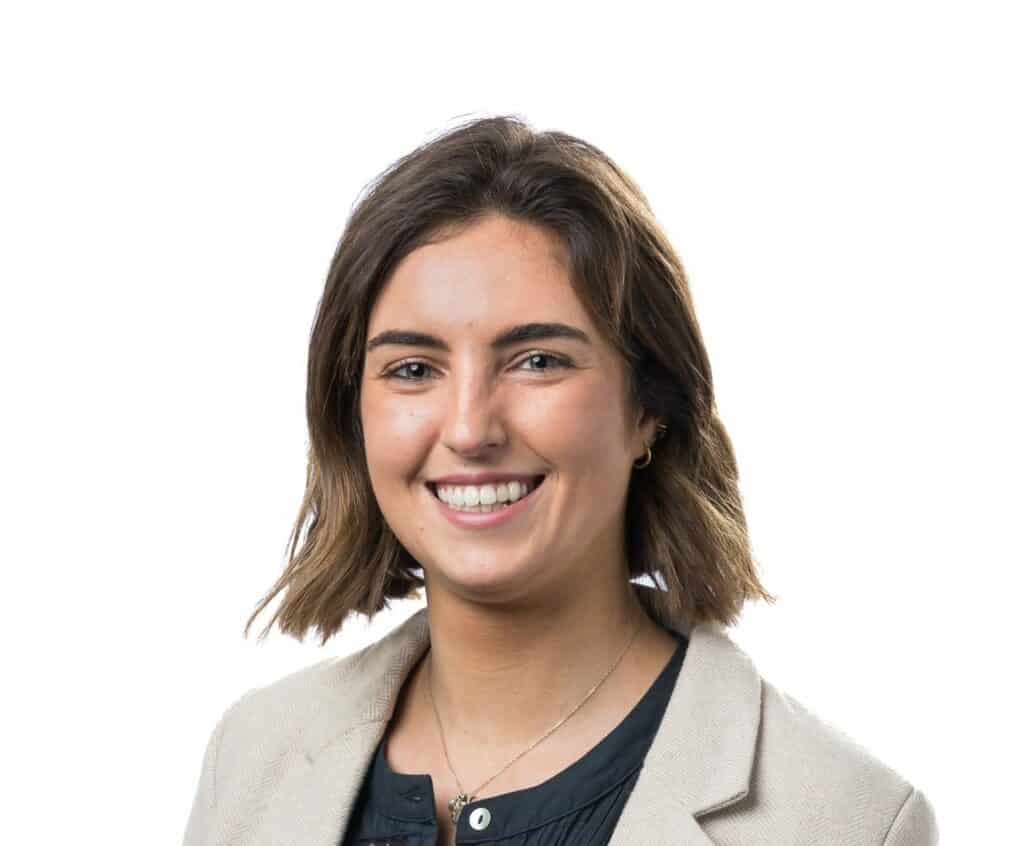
{"x":559,"y":363}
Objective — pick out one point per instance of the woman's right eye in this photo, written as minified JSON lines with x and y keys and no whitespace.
{"x":390,"y":374}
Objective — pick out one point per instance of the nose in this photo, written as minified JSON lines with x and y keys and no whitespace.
{"x":474,"y":417}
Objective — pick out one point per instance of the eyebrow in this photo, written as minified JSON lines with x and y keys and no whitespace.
{"x":515,"y":335}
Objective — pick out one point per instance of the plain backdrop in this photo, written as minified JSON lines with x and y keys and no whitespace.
{"x":843,"y":182}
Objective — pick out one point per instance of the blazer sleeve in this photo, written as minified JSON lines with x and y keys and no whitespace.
{"x":914,"y":824}
{"x":200,"y":820}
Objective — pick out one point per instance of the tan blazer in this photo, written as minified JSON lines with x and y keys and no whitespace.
{"x":735,"y":762}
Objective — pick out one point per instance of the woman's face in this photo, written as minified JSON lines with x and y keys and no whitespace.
{"x":546,"y":405}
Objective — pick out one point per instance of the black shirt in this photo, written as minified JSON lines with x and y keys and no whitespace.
{"x":577,"y":807}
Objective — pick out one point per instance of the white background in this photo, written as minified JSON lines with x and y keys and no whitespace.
{"x":843,"y":182}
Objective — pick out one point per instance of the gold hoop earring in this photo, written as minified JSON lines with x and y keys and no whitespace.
{"x":662,"y":428}
{"x":646,"y":459}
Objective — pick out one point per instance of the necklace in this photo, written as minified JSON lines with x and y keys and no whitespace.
{"x":456,"y":805}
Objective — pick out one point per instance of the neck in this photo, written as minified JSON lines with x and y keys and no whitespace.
{"x":504,"y":674}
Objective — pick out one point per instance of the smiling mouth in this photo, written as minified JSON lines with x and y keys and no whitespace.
{"x":535,"y":482}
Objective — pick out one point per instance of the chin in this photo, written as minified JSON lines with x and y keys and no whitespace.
{"x":487,"y":580}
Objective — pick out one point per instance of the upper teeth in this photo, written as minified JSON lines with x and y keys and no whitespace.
{"x":484,"y":494}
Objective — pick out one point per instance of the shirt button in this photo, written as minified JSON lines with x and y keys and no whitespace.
{"x":480,"y":819}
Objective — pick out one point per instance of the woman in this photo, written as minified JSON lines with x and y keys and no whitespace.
{"x":505,"y":335}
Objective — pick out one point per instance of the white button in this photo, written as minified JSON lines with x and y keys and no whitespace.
{"x":480,"y":819}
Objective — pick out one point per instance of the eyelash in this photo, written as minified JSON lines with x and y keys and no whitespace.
{"x":560,"y":363}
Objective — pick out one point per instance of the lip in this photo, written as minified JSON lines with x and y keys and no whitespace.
{"x":481,"y":478}
{"x":469,"y":520}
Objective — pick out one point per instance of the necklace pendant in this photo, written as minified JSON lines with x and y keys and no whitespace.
{"x":457,"y":804}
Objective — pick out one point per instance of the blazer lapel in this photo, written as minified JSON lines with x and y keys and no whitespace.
{"x":317,"y":794}
{"x":312,"y":804}
{"x":702,"y":756}
{"x":700,"y":760}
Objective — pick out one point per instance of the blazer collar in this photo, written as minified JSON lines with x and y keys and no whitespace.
{"x":700,"y":760}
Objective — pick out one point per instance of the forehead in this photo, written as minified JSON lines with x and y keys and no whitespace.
{"x":494,"y":273}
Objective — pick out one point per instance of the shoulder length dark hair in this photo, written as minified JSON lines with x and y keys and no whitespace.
{"x":685,"y":526}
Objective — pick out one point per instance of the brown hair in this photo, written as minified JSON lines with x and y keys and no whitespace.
{"x":685,"y":525}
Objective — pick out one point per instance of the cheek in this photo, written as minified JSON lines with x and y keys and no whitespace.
{"x":394,"y":435}
{"x":582,"y":426}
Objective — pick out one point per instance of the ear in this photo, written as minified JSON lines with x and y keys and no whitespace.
{"x":647,"y":427}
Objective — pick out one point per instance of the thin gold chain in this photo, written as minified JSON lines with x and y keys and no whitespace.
{"x":471,"y":796}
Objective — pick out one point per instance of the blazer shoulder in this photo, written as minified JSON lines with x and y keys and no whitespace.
{"x":351,"y":689}
{"x":812,"y":739}
{"x":829,"y":781}
{"x":282,"y":707}
{"x":262,"y":728}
